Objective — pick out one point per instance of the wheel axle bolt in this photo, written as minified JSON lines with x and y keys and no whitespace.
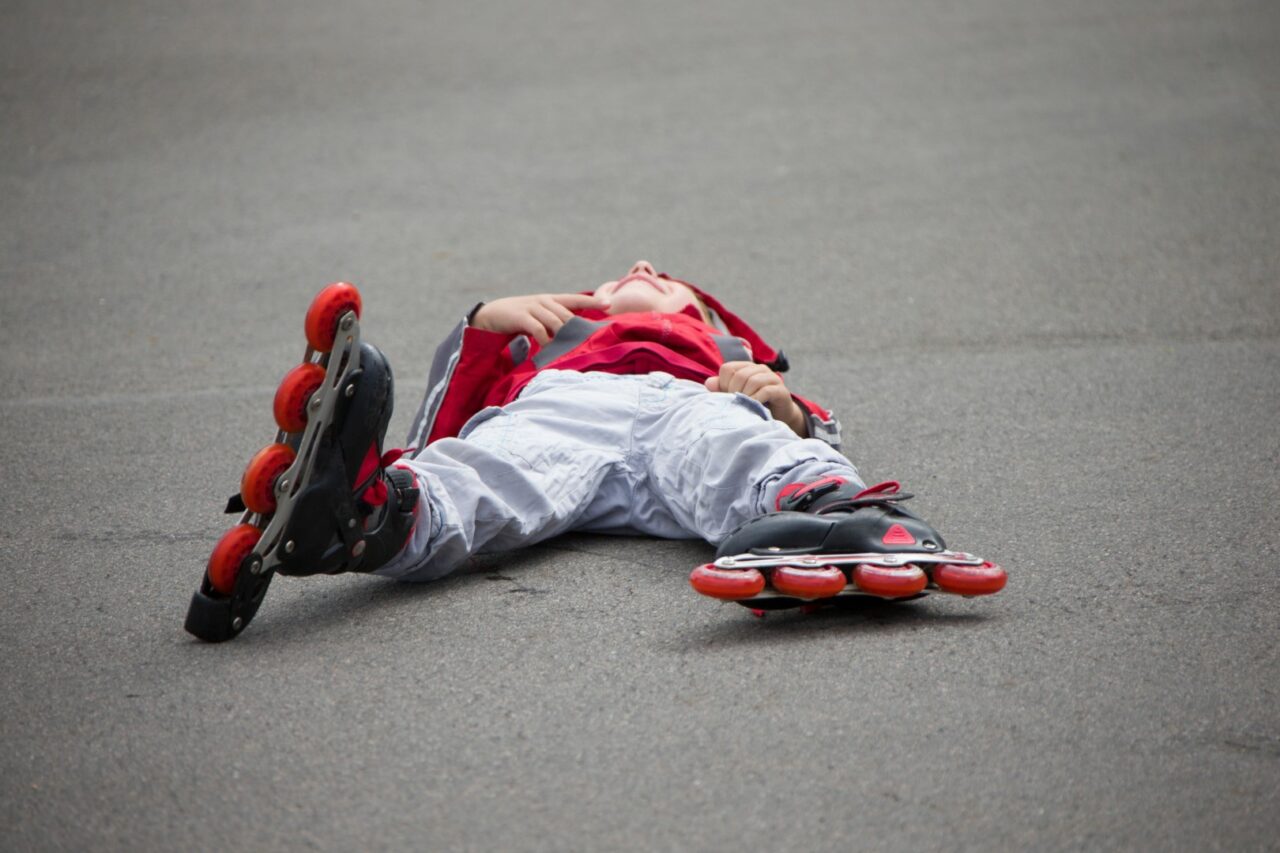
{"x":351,"y":390}
{"x":357,"y":549}
{"x":237,"y":623}
{"x":346,"y":322}
{"x":351,"y":524}
{"x":289,"y":546}
{"x":255,"y":568}
{"x":315,"y":402}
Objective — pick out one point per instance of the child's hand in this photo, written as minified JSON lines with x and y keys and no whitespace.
{"x":763,"y":385}
{"x":540,"y":316}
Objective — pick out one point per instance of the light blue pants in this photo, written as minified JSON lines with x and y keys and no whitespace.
{"x":650,"y":454}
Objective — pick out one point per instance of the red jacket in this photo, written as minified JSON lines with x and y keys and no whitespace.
{"x":475,"y":368}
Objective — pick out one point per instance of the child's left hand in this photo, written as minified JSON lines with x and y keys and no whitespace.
{"x":763,"y":385}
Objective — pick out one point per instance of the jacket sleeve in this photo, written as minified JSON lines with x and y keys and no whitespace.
{"x":822,"y":423}
{"x":466,"y":365}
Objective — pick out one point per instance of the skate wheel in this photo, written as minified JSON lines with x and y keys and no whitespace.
{"x":258,"y":485}
{"x":808,"y":584}
{"x":325,"y":311}
{"x":290,"y":406}
{"x":228,"y":554}
{"x":726,"y":584}
{"x":970,"y":580}
{"x":889,"y":582}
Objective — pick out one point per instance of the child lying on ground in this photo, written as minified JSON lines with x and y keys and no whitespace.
{"x":642,"y":407}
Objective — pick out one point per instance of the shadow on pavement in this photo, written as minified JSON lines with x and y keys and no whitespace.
{"x":867,"y":616}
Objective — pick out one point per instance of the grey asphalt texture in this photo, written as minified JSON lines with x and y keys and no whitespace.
{"x":1029,"y":250}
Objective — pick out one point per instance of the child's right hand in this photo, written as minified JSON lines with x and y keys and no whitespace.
{"x":539,"y":315}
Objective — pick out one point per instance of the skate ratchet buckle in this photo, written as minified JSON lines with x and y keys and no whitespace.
{"x":308,"y":401}
{"x":773,"y":578}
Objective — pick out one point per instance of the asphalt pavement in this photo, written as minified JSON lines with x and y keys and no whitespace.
{"x":1028,"y":250}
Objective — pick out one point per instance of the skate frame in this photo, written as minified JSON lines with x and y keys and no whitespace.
{"x":776,"y":558}
{"x":344,"y":360}
{"x":215,"y":617}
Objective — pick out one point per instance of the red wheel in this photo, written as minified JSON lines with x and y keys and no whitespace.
{"x":224,"y":562}
{"x":726,"y":584}
{"x":889,"y":582}
{"x":970,"y":580}
{"x":295,"y":391}
{"x":822,"y":582}
{"x":325,"y":311}
{"x":258,"y":485}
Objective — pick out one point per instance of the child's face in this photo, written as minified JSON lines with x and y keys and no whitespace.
{"x":641,"y":290}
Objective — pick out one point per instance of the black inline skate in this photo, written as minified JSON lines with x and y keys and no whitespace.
{"x":831,"y":540}
{"x":320,"y":499}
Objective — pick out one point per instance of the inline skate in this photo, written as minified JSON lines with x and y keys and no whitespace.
{"x":320,"y":498}
{"x":830,"y":540}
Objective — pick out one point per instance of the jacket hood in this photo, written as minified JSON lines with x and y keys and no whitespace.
{"x":735,"y":325}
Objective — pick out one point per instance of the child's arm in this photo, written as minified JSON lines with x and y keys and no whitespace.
{"x":475,"y":356}
{"x":539,"y":315}
{"x":763,"y":385}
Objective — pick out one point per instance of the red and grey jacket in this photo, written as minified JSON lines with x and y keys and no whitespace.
{"x":475,"y":368}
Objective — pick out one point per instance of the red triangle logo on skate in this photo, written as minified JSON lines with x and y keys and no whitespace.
{"x":898,"y":535}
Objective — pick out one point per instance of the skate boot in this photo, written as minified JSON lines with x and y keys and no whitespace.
{"x":320,"y":499}
{"x":828,"y":541}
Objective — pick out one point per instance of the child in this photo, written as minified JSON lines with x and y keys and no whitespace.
{"x":644,"y":407}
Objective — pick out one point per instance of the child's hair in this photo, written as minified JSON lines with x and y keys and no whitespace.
{"x":703,"y":310}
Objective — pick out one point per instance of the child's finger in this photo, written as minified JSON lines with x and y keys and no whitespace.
{"x":752,"y":384}
{"x":580,"y":300}
{"x":534,"y":329}
{"x":551,"y":323}
{"x":559,"y":310}
{"x":757,"y":386}
{"x":742,"y":376}
{"x":712,"y":383}
{"x":728,"y":371}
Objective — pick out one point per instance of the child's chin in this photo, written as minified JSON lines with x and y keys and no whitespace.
{"x":629,"y":303}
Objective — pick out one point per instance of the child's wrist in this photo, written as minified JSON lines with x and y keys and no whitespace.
{"x":797,"y":418}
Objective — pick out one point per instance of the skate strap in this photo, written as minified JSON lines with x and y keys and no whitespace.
{"x":803,"y":495}
{"x":888,"y":487}
{"x":376,"y":493}
{"x":881,"y":494}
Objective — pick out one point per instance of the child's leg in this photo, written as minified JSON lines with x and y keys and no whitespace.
{"x":552,"y":461}
{"x":717,"y":460}
{"x":642,"y":454}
